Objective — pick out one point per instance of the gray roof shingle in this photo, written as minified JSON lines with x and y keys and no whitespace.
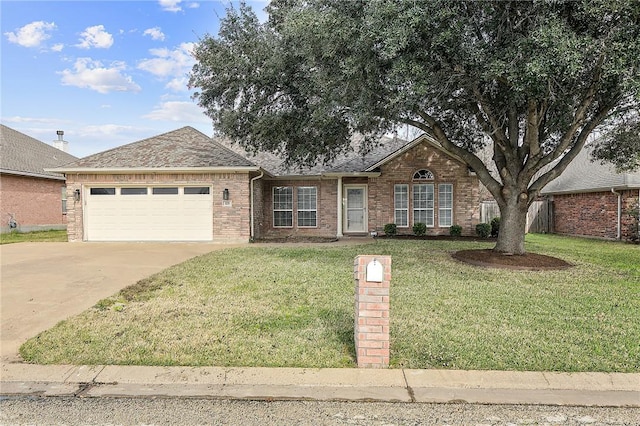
{"x":23,"y":155}
{"x":583,"y":175}
{"x":352,"y":162}
{"x":182,"y":148}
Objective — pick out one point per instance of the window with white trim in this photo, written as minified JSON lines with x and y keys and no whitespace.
{"x":307,"y":206}
{"x":445,"y":204}
{"x":423,"y":204}
{"x":401,"y":205}
{"x":283,"y":207}
{"x":423,"y":174}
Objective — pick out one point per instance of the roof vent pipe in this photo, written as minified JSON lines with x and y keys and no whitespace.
{"x":60,"y":143}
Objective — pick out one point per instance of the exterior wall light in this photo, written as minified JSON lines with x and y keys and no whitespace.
{"x":225,"y":194}
{"x":76,"y":195}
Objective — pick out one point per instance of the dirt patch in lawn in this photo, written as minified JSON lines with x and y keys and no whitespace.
{"x":528,"y":261}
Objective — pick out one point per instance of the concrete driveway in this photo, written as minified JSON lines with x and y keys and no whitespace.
{"x":44,"y":283}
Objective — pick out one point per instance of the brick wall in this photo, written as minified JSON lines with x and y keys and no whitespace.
{"x":326,"y":205}
{"x":593,"y":214}
{"x":230,"y":223}
{"x":466,"y":201}
{"x":380,"y":211}
{"x":35,"y":202}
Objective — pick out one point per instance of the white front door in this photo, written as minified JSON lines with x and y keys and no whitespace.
{"x":355,"y":212}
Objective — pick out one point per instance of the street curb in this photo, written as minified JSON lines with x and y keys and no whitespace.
{"x":386,"y":385}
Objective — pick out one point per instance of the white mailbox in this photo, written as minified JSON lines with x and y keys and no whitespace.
{"x":375,"y":271}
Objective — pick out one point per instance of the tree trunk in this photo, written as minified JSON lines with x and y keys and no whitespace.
{"x":513,"y":222}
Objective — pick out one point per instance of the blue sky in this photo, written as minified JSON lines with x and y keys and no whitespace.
{"x":107,"y":73}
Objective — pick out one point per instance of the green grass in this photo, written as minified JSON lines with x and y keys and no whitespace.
{"x":293,"y":306}
{"x":35,"y":236}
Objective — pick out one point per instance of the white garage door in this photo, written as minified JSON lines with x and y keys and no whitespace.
{"x":141,"y":213}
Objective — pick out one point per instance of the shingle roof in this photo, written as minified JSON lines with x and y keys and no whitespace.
{"x":351,"y":162}
{"x":182,"y":148}
{"x":583,"y":175}
{"x":23,"y":155}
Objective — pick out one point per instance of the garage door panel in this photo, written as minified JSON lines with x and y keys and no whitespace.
{"x":151,"y":217}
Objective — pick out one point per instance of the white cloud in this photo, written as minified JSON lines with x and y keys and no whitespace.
{"x":170,"y":64}
{"x":178,"y":84}
{"x":31,"y":35}
{"x":170,"y":5}
{"x":57,"y":47}
{"x":180,"y":111}
{"x":90,"y":74}
{"x":95,"y":36}
{"x":34,"y":120}
{"x":155,"y":33}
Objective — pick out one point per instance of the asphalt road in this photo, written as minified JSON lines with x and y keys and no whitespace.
{"x":174,"y":411}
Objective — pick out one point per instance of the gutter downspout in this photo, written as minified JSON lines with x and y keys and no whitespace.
{"x":252,"y":209}
{"x":339,"y":209}
{"x":618,"y":228}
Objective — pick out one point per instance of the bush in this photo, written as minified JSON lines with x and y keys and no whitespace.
{"x":419,"y":229}
{"x":483,"y":230}
{"x":455,"y":231}
{"x":391,"y":229}
{"x":495,"y":226}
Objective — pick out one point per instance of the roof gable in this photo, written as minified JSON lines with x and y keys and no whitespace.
{"x":584,"y":175}
{"x":24,"y":155}
{"x":183,"y":148}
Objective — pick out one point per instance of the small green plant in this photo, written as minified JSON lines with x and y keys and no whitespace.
{"x":391,"y":229}
{"x":455,"y":231}
{"x":419,"y":229}
{"x":483,"y":230}
{"x":495,"y":226}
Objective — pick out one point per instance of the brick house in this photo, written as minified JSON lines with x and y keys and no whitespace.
{"x":183,"y":185}
{"x":31,"y":195}
{"x":593,"y":200}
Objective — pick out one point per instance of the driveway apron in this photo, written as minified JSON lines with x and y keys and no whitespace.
{"x":44,"y":283}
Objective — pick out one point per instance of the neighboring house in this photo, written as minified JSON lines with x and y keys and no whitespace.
{"x":592,"y":199}
{"x":30,"y":195}
{"x":184,"y":185}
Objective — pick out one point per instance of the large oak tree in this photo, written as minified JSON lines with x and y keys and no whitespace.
{"x":530,"y":79}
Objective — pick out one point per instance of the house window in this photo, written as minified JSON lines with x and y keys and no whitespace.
{"x":283,"y":207}
{"x":423,"y":204}
{"x":64,"y":200}
{"x":445,"y":204}
{"x":307,"y":206}
{"x":423,"y":174}
{"x":401,"y":205}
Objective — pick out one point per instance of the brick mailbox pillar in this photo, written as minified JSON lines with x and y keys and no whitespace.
{"x":372,"y":278}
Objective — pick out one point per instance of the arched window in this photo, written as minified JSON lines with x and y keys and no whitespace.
{"x":423,"y":174}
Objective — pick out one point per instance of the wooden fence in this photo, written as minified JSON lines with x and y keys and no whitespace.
{"x":539,"y":217}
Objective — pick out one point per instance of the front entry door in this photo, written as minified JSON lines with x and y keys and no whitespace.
{"x":355,"y":212}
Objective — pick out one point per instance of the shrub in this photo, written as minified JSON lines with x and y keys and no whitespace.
{"x":483,"y":230}
{"x":390,"y":229}
{"x":495,"y":226}
{"x":419,"y":229}
{"x":455,"y":231}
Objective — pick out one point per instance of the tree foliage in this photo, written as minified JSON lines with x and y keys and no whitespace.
{"x":531,"y":78}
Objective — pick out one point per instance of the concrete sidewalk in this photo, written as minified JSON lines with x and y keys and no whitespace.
{"x":434,"y":386}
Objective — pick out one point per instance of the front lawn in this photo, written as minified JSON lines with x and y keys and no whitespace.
{"x":293,"y":306}
{"x":35,"y":236}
